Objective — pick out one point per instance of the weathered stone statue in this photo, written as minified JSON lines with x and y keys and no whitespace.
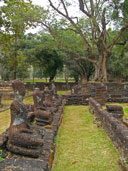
{"x":43,"y":116}
{"x":37,"y":98}
{"x":48,"y":102}
{"x":55,"y":98}
{"x":53,"y":88}
{"x":21,"y":138}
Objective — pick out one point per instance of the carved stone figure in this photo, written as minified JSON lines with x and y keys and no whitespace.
{"x":43,"y":116}
{"x":53,"y":88}
{"x":21,"y":138}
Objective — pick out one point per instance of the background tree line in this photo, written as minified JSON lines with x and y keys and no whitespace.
{"x":92,"y":46}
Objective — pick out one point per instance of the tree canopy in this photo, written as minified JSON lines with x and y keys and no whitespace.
{"x":43,"y":54}
{"x":16,"y":17}
{"x":89,"y":36}
{"x":92,"y":27}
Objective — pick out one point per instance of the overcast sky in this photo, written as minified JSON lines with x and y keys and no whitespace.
{"x":40,"y":2}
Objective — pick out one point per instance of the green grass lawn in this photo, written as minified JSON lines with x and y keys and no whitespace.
{"x":81,"y":146}
{"x":28,"y":100}
{"x":63,"y":92}
{"x":47,"y":80}
{"x":4,"y":120}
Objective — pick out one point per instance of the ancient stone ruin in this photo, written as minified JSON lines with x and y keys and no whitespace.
{"x":22,"y":139}
{"x":32,"y":130}
{"x":114,"y":127}
{"x":34,"y":126}
{"x":7,"y":91}
{"x":115,"y":110}
{"x":100,"y":94}
{"x":43,"y":115}
{"x":114,"y":92}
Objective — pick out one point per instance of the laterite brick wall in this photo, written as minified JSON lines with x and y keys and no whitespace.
{"x":116,"y":130}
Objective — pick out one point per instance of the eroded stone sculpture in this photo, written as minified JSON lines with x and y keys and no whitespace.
{"x":43,"y":116}
{"x":53,"y":88}
{"x":21,"y":138}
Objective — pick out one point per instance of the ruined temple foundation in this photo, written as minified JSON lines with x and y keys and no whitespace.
{"x":7,"y":92}
{"x":100,"y":95}
{"x":24,"y":140}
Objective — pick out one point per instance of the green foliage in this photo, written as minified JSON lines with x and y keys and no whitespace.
{"x":17,"y":16}
{"x":88,"y":35}
{"x":50,"y":61}
{"x":124,"y":8}
{"x":55,"y":140}
{"x":1,"y":158}
{"x":75,"y":75}
{"x":118,"y":63}
{"x":80,"y":68}
{"x":7,"y":65}
{"x":42,"y":53}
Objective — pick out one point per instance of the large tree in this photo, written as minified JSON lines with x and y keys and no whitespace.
{"x":16,"y":17}
{"x":80,"y":69}
{"x":42,"y":53}
{"x":50,"y":61}
{"x":118,"y":63}
{"x":92,"y":27}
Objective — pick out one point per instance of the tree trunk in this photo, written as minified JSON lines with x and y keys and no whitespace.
{"x":100,"y":69}
{"x":15,"y":66}
{"x":83,"y":79}
{"x":15,"y":58}
{"x":51,"y":78}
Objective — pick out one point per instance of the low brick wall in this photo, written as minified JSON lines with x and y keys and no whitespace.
{"x":41,"y":85}
{"x":118,"y":100}
{"x":76,"y":99}
{"x":79,"y":99}
{"x":116,"y":130}
{"x":115,"y":92}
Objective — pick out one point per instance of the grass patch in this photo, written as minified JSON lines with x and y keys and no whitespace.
{"x":4,"y":120}
{"x":47,"y":80}
{"x":125,"y":108}
{"x":7,"y":102}
{"x":28,"y":100}
{"x":81,"y":146}
{"x":1,"y":158}
{"x":63,"y":92}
